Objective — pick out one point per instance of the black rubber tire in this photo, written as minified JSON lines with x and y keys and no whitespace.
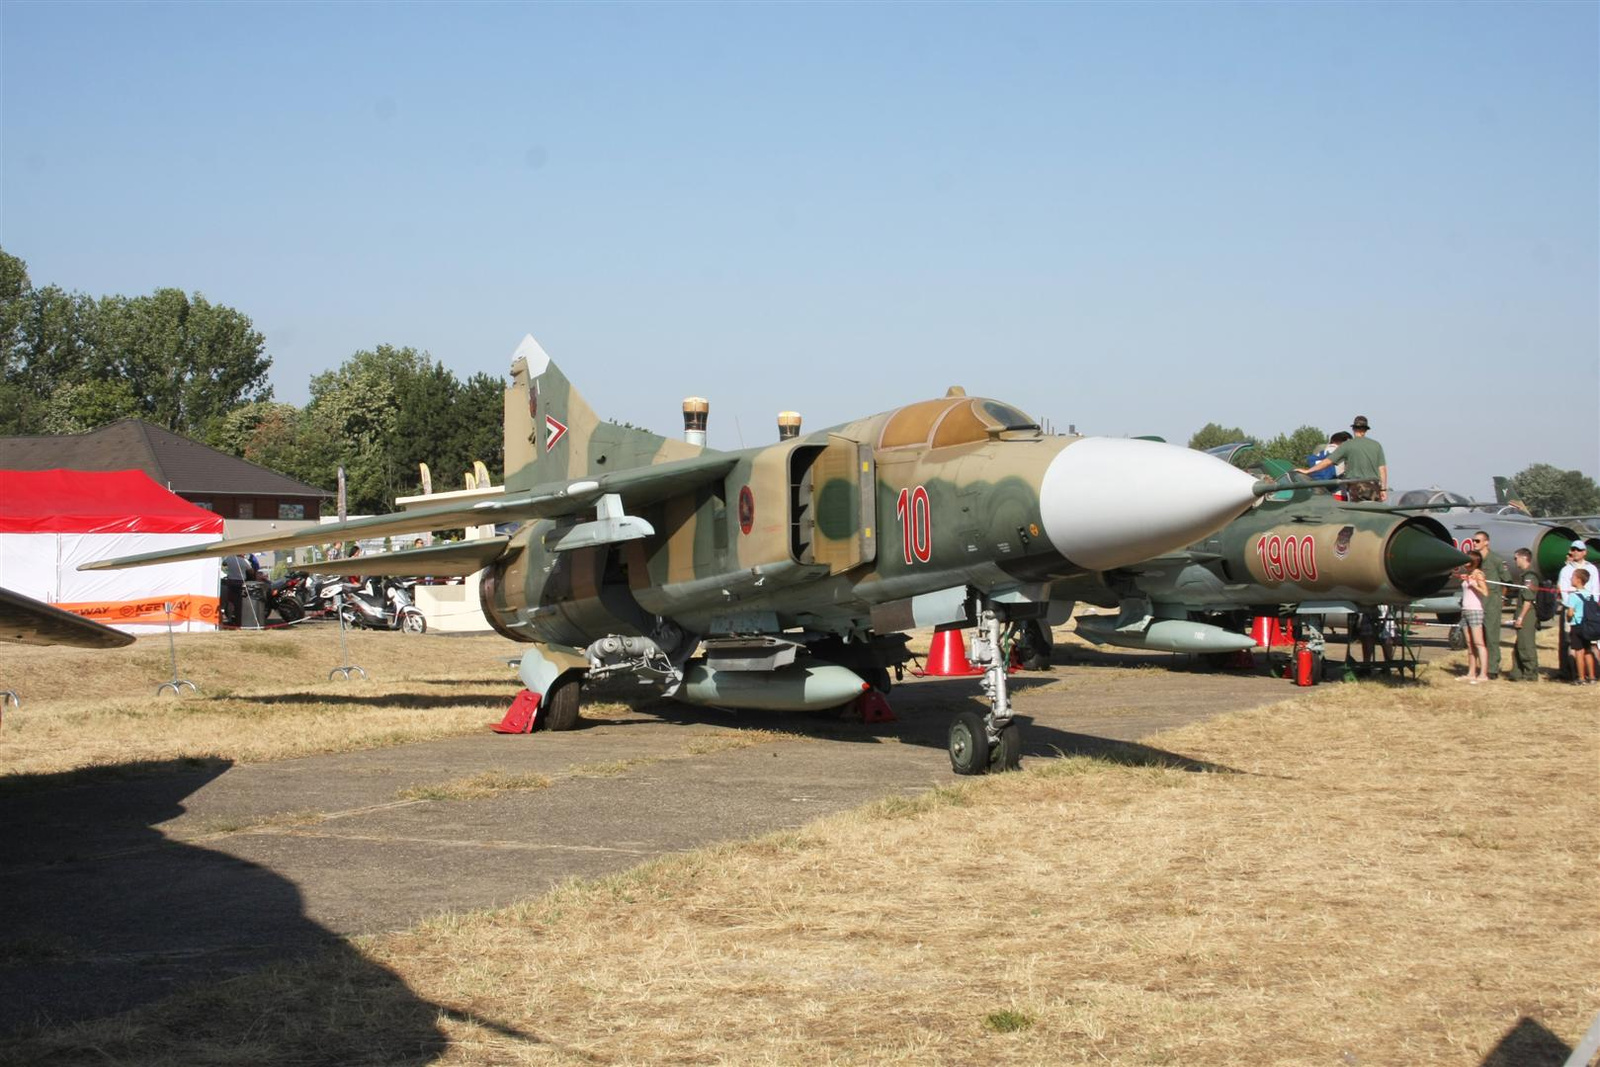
{"x":414,"y":622}
{"x":1457,"y":639}
{"x":560,"y":711}
{"x":1007,"y":755}
{"x":289,"y":609}
{"x":969,"y":744}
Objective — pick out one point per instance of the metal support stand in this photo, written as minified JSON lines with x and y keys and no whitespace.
{"x":344,"y":648}
{"x":177,"y":684}
{"x":8,"y":695}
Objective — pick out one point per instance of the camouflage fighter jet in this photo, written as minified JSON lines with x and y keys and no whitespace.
{"x":781,"y":577}
{"x":1299,"y":550}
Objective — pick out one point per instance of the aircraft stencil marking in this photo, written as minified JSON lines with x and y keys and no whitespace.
{"x":916,"y":524}
{"x":554,"y":431}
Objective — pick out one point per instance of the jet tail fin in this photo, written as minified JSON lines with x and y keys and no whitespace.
{"x":552,"y":433}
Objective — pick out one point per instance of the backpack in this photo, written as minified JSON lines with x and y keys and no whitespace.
{"x":1546,"y":603}
{"x":1589,"y":628}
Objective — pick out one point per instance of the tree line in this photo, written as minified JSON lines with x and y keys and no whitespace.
{"x":70,"y":362}
{"x":1545,"y":490}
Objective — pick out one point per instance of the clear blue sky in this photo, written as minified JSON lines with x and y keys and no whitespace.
{"x":1133,"y":218}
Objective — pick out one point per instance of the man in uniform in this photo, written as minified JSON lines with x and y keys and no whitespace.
{"x":1525,"y":657}
{"x":1363,"y":460}
{"x":1494,"y":602}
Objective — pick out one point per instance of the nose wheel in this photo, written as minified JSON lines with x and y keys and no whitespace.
{"x":991,"y":743}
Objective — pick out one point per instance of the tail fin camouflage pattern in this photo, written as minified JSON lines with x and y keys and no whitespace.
{"x":552,"y":434}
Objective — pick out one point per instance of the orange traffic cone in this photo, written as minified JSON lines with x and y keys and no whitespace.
{"x":947,"y":658}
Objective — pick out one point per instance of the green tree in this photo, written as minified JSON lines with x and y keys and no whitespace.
{"x":1548,"y":490}
{"x":188,"y":360}
{"x":360,"y":403}
{"x":1211,"y":435}
{"x":481,"y":423}
{"x":1294,"y":447}
{"x":82,"y":406}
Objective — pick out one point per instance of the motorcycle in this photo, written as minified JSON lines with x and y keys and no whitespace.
{"x":283,"y":596}
{"x":378,"y":604}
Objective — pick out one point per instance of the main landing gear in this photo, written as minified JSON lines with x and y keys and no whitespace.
{"x":992,"y":742}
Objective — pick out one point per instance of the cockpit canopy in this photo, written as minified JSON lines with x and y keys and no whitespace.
{"x":954,"y":421}
{"x":1442,"y":497}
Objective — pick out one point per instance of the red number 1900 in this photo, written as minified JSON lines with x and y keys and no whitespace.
{"x":1294,"y":558}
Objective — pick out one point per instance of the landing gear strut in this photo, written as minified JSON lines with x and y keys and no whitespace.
{"x":982,"y":744}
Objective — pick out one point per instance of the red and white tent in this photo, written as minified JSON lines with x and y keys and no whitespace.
{"x":53,"y":520}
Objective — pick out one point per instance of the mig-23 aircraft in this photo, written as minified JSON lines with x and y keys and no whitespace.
{"x":1300,"y":549}
{"x":781,"y":577}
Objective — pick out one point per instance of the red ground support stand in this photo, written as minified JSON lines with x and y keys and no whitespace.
{"x":947,"y":657}
{"x":873,"y":707}
{"x":522,"y":717}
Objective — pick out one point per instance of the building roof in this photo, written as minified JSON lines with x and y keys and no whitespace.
{"x":171,"y":460}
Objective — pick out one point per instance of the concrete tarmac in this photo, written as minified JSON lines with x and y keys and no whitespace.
{"x":120,"y":893}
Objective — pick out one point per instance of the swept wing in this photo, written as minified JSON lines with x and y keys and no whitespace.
{"x":635,"y":487}
{"x":26,"y":621}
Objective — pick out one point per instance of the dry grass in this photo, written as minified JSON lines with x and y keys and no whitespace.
{"x":1393,"y":875}
{"x":263,"y":695}
{"x":489,"y":783}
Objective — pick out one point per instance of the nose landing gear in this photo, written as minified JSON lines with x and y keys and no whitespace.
{"x":991,"y":743}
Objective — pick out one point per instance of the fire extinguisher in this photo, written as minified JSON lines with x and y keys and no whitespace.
{"x":1305,"y":666}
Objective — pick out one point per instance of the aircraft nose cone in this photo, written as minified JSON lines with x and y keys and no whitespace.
{"x":1110,"y":501}
{"x":1414,"y":555}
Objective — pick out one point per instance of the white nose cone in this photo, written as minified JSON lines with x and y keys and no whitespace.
{"x":1110,"y":501}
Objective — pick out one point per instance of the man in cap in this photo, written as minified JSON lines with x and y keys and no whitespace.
{"x":1577,"y":559}
{"x":1363,"y":460}
{"x":1494,"y":604}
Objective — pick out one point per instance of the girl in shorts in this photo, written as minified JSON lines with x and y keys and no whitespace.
{"x":1474,"y":586}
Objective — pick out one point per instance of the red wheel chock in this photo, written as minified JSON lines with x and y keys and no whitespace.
{"x":522,"y":717}
{"x":873,"y":707}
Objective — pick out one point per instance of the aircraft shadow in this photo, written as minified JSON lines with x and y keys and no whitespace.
{"x":1527,"y":1044}
{"x":499,"y":698}
{"x":104,"y":913}
{"x":923,"y":719}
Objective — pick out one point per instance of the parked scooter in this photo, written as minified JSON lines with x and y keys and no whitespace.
{"x":379,"y":604}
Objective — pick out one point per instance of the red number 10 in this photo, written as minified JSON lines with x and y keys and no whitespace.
{"x":916,"y":524}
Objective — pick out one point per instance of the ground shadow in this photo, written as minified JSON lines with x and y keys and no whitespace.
{"x":1528,"y":1044}
{"x":103,"y":913}
{"x":489,"y":699}
{"x":927,"y":711}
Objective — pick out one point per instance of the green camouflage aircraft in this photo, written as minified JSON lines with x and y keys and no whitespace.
{"x":782,"y":577}
{"x":1299,"y":550}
